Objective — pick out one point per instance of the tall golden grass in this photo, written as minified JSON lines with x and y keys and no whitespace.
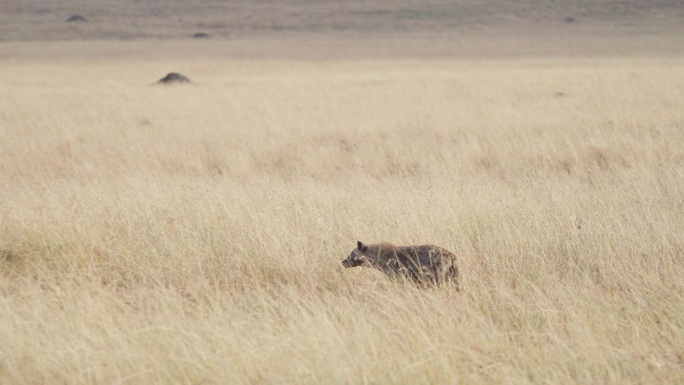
{"x":193,"y":234}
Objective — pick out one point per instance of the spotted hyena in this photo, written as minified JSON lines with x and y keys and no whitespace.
{"x":422,"y":264}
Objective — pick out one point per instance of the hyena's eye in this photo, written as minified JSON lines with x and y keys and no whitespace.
{"x":357,"y":258}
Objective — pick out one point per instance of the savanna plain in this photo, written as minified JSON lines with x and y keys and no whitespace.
{"x":193,"y":234}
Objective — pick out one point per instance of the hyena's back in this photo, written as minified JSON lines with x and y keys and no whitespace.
{"x":426,"y":263}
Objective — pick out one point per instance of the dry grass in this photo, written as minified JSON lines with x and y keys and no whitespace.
{"x":193,"y":234}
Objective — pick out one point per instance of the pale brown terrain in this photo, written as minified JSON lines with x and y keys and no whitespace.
{"x":193,"y":233}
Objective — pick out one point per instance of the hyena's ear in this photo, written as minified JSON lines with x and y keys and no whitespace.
{"x":361,"y":246}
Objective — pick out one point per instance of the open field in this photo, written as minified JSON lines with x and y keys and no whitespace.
{"x":193,"y":234}
{"x":22,"y":20}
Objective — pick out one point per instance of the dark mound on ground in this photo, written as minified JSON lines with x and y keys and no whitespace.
{"x":200,"y":35}
{"x":173,"y":78}
{"x":76,"y":19}
{"x":570,"y":19}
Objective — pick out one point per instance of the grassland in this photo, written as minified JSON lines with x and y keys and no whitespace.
{"x":22,"y":20}
{"x":193,"y":234}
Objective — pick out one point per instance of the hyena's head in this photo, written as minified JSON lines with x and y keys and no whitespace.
{"x":359,"y":256}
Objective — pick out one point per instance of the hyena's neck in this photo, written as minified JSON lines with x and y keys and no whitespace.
{"x":382,"y":257}
{"x":384,"y":265}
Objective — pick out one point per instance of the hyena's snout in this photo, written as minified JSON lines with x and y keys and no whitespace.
{"x":353,"y":260}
